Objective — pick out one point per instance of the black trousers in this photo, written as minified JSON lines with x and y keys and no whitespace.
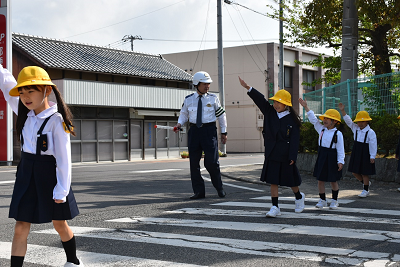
{"x":204,"y":139}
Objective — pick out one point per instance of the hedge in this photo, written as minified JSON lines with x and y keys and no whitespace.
{"x":386,"y":127}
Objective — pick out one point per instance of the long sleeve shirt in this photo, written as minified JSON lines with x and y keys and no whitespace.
{"x":58,"y":139}
{"x":326,"y":137}
{"x":212,"y":110}
{"x":371,"y":137}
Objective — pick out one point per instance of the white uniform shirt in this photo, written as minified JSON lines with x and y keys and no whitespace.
{"x":371,"y":137}
{"x":326,"y":137}
{"x":212,"y":110}
{"x":58,"y":140}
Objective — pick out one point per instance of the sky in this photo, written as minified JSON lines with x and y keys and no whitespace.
{"x":165,"y":26}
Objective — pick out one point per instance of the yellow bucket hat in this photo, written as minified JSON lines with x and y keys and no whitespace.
{"x":362,"y":116}
{"x":331,"y":114}
{"x":283,"y":96}
{"x":31,"y":75}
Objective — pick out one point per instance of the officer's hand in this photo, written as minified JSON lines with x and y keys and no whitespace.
{"x":243,"y":83}
{"x":340,"y":165}
{"x":177,"y":127}
{"x":224,"y":137}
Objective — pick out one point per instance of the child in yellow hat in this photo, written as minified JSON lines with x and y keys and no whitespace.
{"x":281,"y":134}
{"x":330,"y":161}
{"x":363,"y":153}
{"x":42,"y":190}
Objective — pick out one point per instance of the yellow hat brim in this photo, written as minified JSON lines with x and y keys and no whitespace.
{"x":14,"y":91}
{"x":357,"y":120}
{"x":280,"y":100}
{"x":329,"y":117}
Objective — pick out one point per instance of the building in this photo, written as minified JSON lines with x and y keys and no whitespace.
{"x":258,"y":65}
{"x":116,"y":97}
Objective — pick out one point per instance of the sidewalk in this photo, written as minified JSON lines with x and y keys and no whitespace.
{"x":349,"y":187}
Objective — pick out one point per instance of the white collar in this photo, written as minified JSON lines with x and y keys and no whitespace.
{"x":283,"y":114}
{"x":367,"y":128}
{"x":45,"y":113}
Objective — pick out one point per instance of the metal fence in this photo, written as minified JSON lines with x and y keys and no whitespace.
{"x":376,"y":94}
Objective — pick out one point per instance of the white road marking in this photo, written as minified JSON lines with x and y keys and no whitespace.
{"x":236,"y":186}
{"x":149,"y":171}
{"x":377,"y":235}
{"x":249,"y":247}
{"x":10,"y":171}
{"x":310,"y":199}
{"x":291,"y":206}
{"x":53,"y":256}
{"x":286,"y":215}
{"x":7,"y":182}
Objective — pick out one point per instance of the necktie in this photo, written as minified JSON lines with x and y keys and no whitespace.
{"x":199,"y":113}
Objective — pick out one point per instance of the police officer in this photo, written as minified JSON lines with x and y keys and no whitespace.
{"x":202,"y":109}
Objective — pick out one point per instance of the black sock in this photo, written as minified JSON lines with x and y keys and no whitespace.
{"x":274,"y":201}
{"x":335,"y":194}
{"x":322,"y":196}
{"x":362,"y":181}
{"x":298,"y":195}
{"x":17,"y":261}
{"x":366,"y":187}
{"x":70,"y":250}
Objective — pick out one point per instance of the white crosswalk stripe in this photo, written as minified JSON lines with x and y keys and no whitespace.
{"x":224,"y":218}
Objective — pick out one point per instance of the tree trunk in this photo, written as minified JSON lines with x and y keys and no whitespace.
{"x":380,"y":49}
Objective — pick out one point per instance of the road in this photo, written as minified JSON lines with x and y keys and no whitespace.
{"x":139,"y":214}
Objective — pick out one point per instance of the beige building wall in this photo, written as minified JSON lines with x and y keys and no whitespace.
{"x":258,"y":65}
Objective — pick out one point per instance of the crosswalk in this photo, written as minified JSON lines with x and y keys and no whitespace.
{"x":238,"y":217}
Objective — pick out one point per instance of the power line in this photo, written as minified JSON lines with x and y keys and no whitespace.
{"x":123,"y":20}
{"x":255,"y":11}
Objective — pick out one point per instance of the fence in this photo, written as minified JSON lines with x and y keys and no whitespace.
{"x":376,"y":94}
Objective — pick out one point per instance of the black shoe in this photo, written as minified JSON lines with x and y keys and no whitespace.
{"x":198,"y":196}
{"x":221,"y":193}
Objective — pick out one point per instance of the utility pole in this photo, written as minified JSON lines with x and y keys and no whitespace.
{"x":349,"y":67}
{"x":131,"y":39}
{"x":281,"y":67}
{"x":220,"y":61}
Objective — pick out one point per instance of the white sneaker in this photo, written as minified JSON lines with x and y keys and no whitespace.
{"x":398,"y":189}
{"x":273,"y":212}
{"x":299,"y":203}
{"x":321,"y":204}
{"x":364,"y":193}
{"x":334,"y":204}
{"x":70,"y":264}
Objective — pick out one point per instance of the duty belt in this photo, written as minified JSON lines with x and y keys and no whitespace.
{"x":204,"y":124}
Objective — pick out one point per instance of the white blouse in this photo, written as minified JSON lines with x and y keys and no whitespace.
{"x":326,"y":137}
{"x":58,"y":140}
{"x":371,"y":137}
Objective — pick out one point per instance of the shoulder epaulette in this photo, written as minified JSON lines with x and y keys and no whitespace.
{"x":212,"y":95}
{"x":189,"y":95}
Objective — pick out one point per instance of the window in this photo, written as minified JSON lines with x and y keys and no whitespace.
{"x":308,"y":77}
{"x":288,"y":77}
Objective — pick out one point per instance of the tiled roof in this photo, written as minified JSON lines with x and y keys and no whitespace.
{"x":83,"y":57}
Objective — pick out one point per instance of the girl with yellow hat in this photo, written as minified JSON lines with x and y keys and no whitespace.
{"x":42,"y":190}
{"x":281,"y":132}
{"x":330,"y":161}
{"x":363,"y":153}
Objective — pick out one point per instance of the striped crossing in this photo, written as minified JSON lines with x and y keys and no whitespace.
{"x":235,"y":217}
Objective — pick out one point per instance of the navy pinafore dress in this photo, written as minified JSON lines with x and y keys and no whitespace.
{"x":32,"y":199}
{"x":326,"y":167}
{"x":360,"y":158}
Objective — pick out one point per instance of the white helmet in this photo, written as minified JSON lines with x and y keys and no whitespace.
{"x":201,"y":77}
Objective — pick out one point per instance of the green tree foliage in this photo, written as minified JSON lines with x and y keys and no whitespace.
{"x":316,"y":23}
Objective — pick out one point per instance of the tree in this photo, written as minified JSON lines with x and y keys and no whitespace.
{"x":316,"y":23}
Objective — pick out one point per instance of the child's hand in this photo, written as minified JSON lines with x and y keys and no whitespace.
{"x":340,"y":165}
{"x":372,"y":161}
{"x":291,"y":162}
{"x":304,"y":104}
{"x":58,"y":201}
{"x":243,"y":83}
{"x":397,"y":157}
{"x":341,"y":106}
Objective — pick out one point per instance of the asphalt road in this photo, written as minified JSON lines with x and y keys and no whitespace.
{"x":139,"y":214}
